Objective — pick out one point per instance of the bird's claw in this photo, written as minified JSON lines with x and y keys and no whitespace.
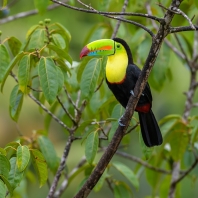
{"x":132,"y":93}
{"x":120,"y":122}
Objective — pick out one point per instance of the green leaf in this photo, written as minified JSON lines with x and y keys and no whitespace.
{"x":2,"y":189}
{"x":117,"y":112}
{"x":4,"y":61}
{"x":147,"y":151}
{"x":196,"y":3}
{"x":16,"y":101}
{"x":59,"y":41}
{"x":15,"y":176}
{"x":60,"y":79}
{"x":4,"y":166}
{"x":160,"y":70}
{"x":90,"y":77}
{"x":5,"y":2}
{"x":41,"y":5}
{"x":24,"y":73}
{"x":48,"y":118}
{"x":48,"y":78}
{"x":23,"y":157}
{"x":15,"y":45}
{"x":61,"y":53}
{"x":62,"y":63}
{"x":5,"y":180}
{"x":64,"y":30}
{"x":47,"y":149}
{"x":91,"y":146}
{"x":121,"y":190}
{"x":127,"y":172}
{"x":40,"y":166}
{"x":37,"y":39}
{"x":9,"y":68}
{"x":31,"y":30}
{"x":11,"y":149}
{"x":2,"y":151}
{"x":178,"y":140}
{"x":101,"y":181}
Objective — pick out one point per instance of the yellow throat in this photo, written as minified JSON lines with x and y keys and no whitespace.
{"x":116,"y":67}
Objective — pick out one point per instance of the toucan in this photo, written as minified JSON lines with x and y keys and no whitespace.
{"x":121,"y":77}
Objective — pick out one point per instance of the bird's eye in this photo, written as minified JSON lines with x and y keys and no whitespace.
{"x":118,"y":46}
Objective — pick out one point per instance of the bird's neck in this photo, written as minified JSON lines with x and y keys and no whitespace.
{"x":116,"y":68}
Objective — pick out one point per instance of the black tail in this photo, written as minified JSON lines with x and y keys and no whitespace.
{"x":150,"y":130}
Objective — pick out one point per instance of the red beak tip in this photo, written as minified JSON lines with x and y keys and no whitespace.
{"x":84,"y":52}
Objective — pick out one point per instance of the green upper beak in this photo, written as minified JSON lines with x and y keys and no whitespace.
{"x":102,"y":47}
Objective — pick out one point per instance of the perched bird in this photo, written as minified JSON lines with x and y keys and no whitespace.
{"x":121,"y":77}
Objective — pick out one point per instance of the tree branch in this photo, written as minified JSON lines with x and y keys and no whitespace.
{"x":111,"y":149}
{"x":26,"y":14}
{"x":143,"y":163}
{"x":65,"y":183}
{"x":108,"y":14}
{"x":61,"y":167}
{"x":126,"y":2}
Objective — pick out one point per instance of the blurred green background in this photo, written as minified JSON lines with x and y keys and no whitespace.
{"x":170,"y":100}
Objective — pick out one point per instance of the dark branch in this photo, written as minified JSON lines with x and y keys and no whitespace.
{"x":108,"y":15}
{"x":61,"y":167}
{"x":112,"y":148}
{"x":182,"y":29}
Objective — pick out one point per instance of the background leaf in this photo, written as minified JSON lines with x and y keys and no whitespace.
{"x":91,"y":146}
{"x":48,"y":78}
{"x":90,"y":77}
{"x":15,"y":176}
{"x":16,"y":101}
{"x":4,"y":166}
{"x":40,"y":166}
{"x":41,"y":5}
{"x":24,"y":73}
{"x":23,"y":157}
{"x":127,"y":172}
{"x":47,"y":149}
{"x":4,"y":61}
{"x":15,"y":45}
{"x":2,"y":189}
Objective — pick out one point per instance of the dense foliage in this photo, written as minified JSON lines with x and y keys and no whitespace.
{"x":76,"y":96}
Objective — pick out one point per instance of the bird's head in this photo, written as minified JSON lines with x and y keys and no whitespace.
{"x":103,"y":47}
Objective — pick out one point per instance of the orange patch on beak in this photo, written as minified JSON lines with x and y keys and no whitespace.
{"x":105,"y":48}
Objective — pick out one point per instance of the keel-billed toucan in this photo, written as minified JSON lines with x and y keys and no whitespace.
{"x":121,"y":77}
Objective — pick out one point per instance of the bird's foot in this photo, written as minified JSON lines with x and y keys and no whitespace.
{"x":132,"y":93}
{"x":120,"y":122}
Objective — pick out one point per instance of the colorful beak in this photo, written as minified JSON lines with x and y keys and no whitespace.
{"x":102,"y":47}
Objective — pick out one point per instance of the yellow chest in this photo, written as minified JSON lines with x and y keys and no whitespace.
{"x":116,"y":68}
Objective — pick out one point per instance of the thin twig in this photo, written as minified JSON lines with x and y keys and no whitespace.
{"x":50,"y":113}
{"x":183,"y":51}
{"x":143,"y":163}
{"x":106,"y":14}
{"x":139,"y":87}
{"x":26,"y":14}
{"x":65,"y":110}
{"x":182,"y":29}
{"x":65,"y":182}
{"x":70,"y":99}
{"x":178,"y":11}
{"x":93,"y":11}
{"x":132,"y":128}
{"x":187,"y":171}
{"x":61,"y":166}
{"x":126,"y":2}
